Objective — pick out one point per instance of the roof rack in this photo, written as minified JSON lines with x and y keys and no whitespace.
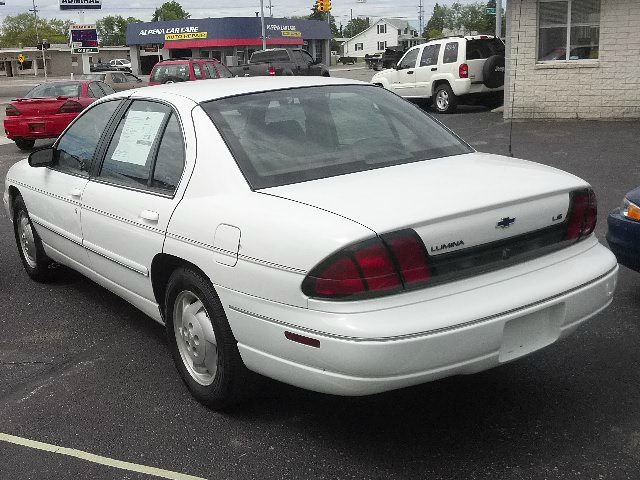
{"x":445,"y":37}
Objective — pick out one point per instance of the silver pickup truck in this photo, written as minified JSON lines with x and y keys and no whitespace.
{"x":281,"y":61}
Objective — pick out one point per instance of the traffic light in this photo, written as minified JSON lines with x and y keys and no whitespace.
{"x":323,"y":5}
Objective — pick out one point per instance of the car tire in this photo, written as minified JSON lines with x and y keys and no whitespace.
{"x":444,"y":100}
{"x":202,"y":345}
{"x":34,"y":259}
{"x":493,"y":71}
{"x":25,"y":144}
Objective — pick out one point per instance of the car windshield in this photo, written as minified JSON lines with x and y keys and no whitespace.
{"x":94,"y":76}
{"x":176,"y":72}
{"x":296,"y":135}
{"x":67,"y":89}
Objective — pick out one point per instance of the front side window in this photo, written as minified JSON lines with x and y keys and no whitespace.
{"x":95,"y":91}
{"x":568,"y":30}
{"x":303,"y":134}
{"x":107,"y":89}
{"x":223,"y":71}
{"x":409,"y":60}
{"x":138,"y":155}
{"x":209,"y":70}
{"x":76,"y":148}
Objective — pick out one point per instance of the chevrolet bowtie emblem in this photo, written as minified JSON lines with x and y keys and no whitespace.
{"x":506,"y":222}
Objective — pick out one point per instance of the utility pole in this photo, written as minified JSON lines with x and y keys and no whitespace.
{"x":264,"y":32}
{"x":421,"y":16}
{"x":270,"y":9}
{"x":499,"y":18}
{"x":35,"y":17}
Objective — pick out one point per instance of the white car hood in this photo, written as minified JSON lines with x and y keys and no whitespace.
{"x":460,"y":193}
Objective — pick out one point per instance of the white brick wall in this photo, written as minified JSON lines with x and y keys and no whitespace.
{"x":606,"y":88}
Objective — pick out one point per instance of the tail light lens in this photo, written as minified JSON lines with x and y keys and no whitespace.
{"x":583,"y":214}
{"x":12,"y":111}
{"x":271,"y":72}
{"x":464,"y":71}
{"x":70,"y":107}
{"x":392,"y":263}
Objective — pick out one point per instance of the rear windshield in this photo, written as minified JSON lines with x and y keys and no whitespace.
{"x":67,"y":89}
{"x":274,"y":56}
{"x":484,"y":48}
{"x":177,"y":72}
{"x":296,"y":135}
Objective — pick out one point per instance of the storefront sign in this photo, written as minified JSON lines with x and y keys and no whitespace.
{"x":185,"y":36}
{"x":80,"y":4}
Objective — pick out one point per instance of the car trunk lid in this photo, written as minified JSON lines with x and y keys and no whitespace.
{"x":453,"y":203}
{"x":37,"y":107}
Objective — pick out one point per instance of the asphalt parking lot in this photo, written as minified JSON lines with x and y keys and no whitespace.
{"x":81,"y":369}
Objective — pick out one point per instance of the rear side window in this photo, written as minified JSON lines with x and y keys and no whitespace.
{"x":95,"y":91}
{"x":134,"y":151}
{"x":197,"y":71}
{"x":484,"y":48}
{"x":430,"y":55}
{"x":56,"y":89}
{"x":107,"y":89}
{"x":171,"y":73}
{"x":450,"y":53}
{"x":223,"y":71}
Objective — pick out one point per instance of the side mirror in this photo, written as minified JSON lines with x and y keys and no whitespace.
{"x":42,"y":157}
{"x":398,"y":67}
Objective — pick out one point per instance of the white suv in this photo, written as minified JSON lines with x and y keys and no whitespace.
{"x":449,"y":71}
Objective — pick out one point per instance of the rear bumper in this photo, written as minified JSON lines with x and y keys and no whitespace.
{"x":623,"y":237}
{"x":37,"y":127}
{"x":362,"y":364}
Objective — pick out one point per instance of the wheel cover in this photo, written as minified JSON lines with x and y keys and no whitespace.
{"x":27,"y":240}
{"x":195,"y":338}
{"x":442,"y":100}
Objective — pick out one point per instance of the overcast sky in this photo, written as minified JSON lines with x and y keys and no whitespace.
{"x":143,"y":9}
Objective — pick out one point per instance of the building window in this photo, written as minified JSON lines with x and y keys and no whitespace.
{"x":399,"y":31}
{"x":382,"y":28}
{"x":359,"y":46}
{"x":568,"y":30}
{"x":382,"y":45}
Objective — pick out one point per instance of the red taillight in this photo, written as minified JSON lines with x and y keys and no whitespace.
{"x":12,"y":111}
{"x":271,"y":72}
{"x":70,"y":107}
{"x":464,"y":70}
{"x":583,"y":214}
{"x":395,"y":262}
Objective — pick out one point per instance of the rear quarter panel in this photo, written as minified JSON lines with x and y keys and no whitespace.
{"x":280,"y":239}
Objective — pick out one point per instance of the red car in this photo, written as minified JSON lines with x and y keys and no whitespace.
{"x":187,"y":70}
{"x":47,"y":109}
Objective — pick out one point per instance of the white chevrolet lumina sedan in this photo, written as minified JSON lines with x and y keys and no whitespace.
{"x":322,"y":232}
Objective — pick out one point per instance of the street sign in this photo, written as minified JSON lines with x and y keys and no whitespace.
{"x":78,"y":49}
{"x":21,"y":58}
{"x":80,"y":4}
{"x":491,"y":11}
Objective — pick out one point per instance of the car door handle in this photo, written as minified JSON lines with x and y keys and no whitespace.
{"x":76,"y":193}
{"x":149,"y":215}
{"x":410,"y":72}
{"x":434,"y":69}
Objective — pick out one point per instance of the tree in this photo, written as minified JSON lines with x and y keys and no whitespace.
{"x":460,"y":18}
{"x":112,"y":29}
{"x":170,"y":11}
{"x":21,"y":30}
{"x":355,"y":26}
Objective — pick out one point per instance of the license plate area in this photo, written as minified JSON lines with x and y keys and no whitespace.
{"x":37,"y":127}
{"x":531,"y":332}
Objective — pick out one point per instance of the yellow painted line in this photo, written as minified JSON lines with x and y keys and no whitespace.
{"x":90,"y":457}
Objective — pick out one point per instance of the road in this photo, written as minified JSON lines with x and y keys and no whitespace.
{"x":82,"y":369}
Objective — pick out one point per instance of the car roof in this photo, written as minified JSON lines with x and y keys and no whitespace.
{"x":205,"y":90}
{"x":185,"y":60}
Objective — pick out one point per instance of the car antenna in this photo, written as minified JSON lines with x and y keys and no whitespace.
{"x":513,"y":88}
